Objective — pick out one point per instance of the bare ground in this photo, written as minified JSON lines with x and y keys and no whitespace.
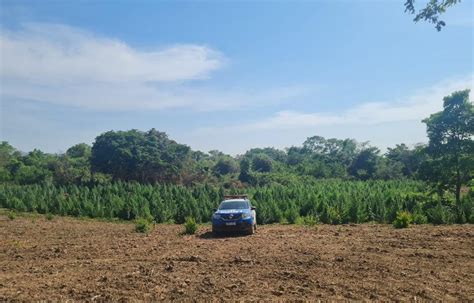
{"x":98,"y":261}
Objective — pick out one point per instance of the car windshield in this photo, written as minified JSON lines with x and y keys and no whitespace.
{"x":234,"y":205}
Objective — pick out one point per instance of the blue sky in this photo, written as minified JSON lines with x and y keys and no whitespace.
{"x":226,"y":75}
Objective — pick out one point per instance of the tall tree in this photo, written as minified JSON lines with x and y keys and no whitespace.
{"x":143,"y":156}
{"x":451,"y":144}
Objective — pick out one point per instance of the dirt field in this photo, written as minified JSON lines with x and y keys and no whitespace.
{"x":89,"y":260}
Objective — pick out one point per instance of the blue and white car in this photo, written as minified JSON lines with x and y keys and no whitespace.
{"x":235,"y":213}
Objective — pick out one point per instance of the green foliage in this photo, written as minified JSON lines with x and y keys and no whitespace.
{"x":309,"y":221}
{"x":331,"y":201}
{"x":225,"y":166}
{"x":142,"y":225}
{"x":292,"y":215}
{"x":440,"y":214}
{"x":451,"y":147}
{"x":190,"y":226}
{"x":49,"y":216}
{"x":11,"y":215}
{"x":141,"y":156}
{"x":262,"y":163}
{"x":419,"y":218}
{"x":431,"y":12}
{"x":402,"y":220}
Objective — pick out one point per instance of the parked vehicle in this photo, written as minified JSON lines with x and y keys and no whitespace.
{"x":235,"y":213}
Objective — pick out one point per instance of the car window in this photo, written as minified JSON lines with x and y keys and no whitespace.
{"x":234,"y":205}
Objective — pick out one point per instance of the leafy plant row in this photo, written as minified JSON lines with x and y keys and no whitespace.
{"x":329,"y":201}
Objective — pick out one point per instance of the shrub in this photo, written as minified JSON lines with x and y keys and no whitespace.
{"x":419,"y":218}
{"x":12,"y":215}
{"x":402,"y":220}
{"x":49,"y":217}
{"x":292,"y":215}
{"x":439,"y":215}
{"x":310,"y":220}
{"x":142,"y":225}
{"x":307,"y":221}
{"x":190,"y":226}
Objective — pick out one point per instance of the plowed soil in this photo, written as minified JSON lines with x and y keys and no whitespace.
{"x":90,"y":260}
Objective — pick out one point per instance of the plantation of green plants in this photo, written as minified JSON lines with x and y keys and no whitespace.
{"x":328,"y":201}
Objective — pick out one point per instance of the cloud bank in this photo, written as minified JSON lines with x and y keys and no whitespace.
{"x":68,"y":66}
{"x":414,"y":107}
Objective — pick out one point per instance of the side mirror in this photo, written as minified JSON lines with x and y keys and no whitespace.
{"x":214,"y":209}
{"x":253,"y":208}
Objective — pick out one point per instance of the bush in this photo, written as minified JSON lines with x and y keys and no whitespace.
{"x":292,"y":215}
{"x":190,"y":226}
{"x":440,"y":215}
{"x":49,"y":217}
{"x":402,"y":220}
{"x":310,"y":220}
{"x":419,"y":218}
{"x":142,"y":225}
{"x":12,"y":215}
{"x":307,"y":221}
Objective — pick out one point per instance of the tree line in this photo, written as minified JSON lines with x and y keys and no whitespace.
{"x":132,"y":174}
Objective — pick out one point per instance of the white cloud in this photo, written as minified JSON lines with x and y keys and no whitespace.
{"x":384,"y":123}
{"x":58,"y":54}
{"x":68,"y":66}
{"x":412,"y":108}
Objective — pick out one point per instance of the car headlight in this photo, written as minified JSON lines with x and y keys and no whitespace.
{"x":216,"y":216}
{"x":246,"y":216}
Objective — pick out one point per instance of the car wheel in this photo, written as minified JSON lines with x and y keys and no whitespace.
{"x":251,"y":231}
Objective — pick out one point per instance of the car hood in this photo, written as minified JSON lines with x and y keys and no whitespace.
{"x":232,"y":211}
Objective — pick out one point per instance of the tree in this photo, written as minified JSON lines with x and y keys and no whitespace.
{"x":244,"y":175}
{"x":262,"y":163}
{"x":364,"y":165}
{"x":451,"y":144}
{"x":225,"y":166}
{"x":80,"y":150}
{"x":142,"y":156}
{"x":431,"y":12}
{"x":8,"y":156}
{"x":409,"y":159}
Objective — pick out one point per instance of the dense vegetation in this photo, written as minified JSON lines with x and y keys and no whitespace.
{"x":330,"y":201}
{"x":131,"y":174}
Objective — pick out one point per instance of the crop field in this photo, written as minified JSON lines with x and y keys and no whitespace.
{"x":329,"y":201}
{"x":66,"y":258}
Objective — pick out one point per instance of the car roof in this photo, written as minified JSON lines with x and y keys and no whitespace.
{"x":236,"y":200}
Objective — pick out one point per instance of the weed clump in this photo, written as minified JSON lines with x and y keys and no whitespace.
{"x":142,"y":225}
{"x":12,"y":215}
{"x":309,"y":221}
{"x":190,"y":226}
{"x":402,"y":220}
{"x":49,"y":217}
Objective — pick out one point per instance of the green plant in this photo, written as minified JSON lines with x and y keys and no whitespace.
{"x":402,"y":220}
{"x":419,"y":218}
{"x":49,"y":217}
{"x":12,"y":215}
{"x":190,"y":226}
{"x":292,"y":215}
{"x":142,"y":225}
{"x":307,"y":221}
{"x":310,"y":220}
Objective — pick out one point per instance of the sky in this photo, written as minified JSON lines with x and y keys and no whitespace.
{"x":226,"y":75}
